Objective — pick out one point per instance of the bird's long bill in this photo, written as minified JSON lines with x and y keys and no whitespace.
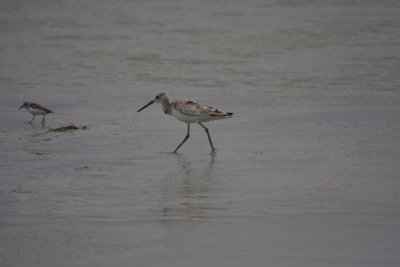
{"x":23,"y":105}
{"x":148,"y":104}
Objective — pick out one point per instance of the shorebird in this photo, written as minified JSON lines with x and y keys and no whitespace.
{"x":36,"y":109}
{"x":189,"y":111}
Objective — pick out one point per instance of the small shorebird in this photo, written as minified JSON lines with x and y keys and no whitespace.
{"x":189,"y":111}
{"x":35,"y":109}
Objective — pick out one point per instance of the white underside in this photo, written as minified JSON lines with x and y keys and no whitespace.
{"x":185,"y":118}
{"x":193,"y":118}
{"x":36,"y":111}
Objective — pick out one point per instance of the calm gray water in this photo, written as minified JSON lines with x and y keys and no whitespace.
{"x":306,"y":172}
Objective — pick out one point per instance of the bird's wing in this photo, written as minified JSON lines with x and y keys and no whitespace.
{"x":214,"y":111}
{"x":194,"y":108}
{"x":188,"y":107}
{"x":37,"y":106}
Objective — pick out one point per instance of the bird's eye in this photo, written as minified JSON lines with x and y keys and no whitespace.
{"x":158,"y":97}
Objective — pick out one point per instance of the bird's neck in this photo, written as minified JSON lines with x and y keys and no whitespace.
{"x":166,"y":106}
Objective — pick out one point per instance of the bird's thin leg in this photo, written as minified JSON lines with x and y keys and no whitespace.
{"x":184,"y":140}
{"x":43,"y":120}
{"x":213,"y":149}
{"x":32,"y":119}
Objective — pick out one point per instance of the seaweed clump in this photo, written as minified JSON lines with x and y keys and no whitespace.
{"x":67,"y":128}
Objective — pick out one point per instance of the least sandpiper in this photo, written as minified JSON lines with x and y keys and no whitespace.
{"x":35,"y":110}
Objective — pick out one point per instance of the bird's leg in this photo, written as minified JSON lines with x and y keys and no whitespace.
{"x":213,"y":149}
{"x":184,"y":140}
{"x":43,"y":120}
{"x":33,"y":117}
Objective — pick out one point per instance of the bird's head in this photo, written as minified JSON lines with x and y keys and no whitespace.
{"x":159,"y":98}
{"x":25,"y":104}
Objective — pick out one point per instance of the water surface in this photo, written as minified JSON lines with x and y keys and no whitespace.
{"x":306,"y":172}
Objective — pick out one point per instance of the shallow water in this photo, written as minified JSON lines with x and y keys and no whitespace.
{"x":306,"y":172}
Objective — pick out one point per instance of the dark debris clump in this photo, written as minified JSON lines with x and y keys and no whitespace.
{"x":71,"y":127}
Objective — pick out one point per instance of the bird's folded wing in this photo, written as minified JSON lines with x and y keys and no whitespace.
{"x":193,"y":108}
{"x":37,"y":106}
{"x":188,"y":107}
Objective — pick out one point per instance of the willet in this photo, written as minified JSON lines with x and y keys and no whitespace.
{"x":36,"y":109}
{"x":189,"y":111}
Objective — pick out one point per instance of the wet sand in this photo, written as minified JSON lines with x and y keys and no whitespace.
{"x":306,"y":172}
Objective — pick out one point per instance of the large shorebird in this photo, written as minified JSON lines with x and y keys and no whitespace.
{"x":35,"y":110}
{"x":189,"y":111}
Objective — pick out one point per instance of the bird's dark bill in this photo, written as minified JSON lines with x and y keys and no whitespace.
{"x":148,"y":104}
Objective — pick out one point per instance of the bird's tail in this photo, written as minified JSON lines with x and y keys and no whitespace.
{"x":222,"y":115}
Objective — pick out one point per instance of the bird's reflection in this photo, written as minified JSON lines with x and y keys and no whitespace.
{"x":188,"y":192}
